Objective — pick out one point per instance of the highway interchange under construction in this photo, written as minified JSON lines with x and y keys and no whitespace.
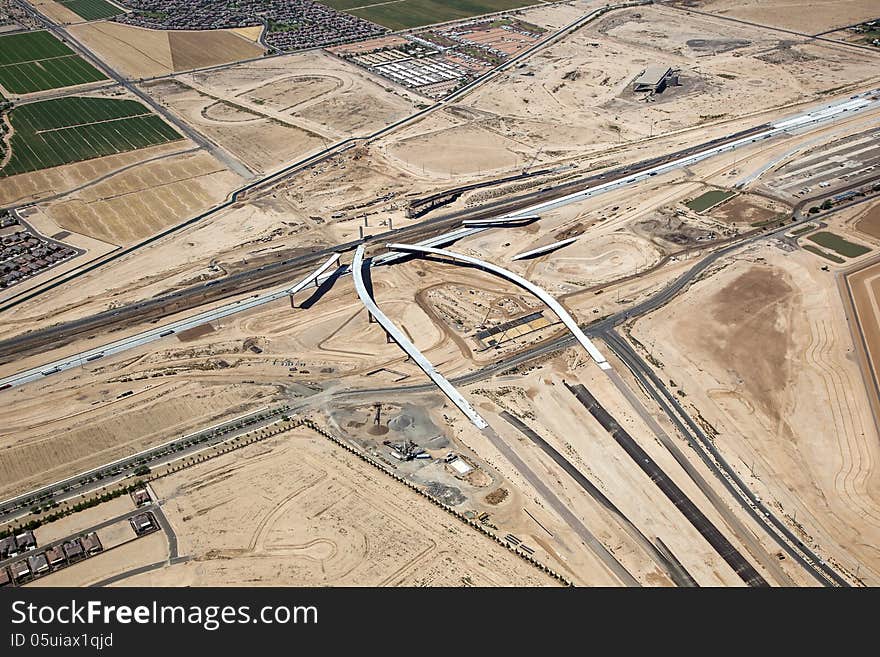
{"x":592,"y":445}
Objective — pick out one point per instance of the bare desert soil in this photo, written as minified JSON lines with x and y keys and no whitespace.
{"x":141,"y":53}
{"x":808,"y":16}
{"x":728,"y":70}
{"x":869,"y":222}
{"x":748,"y":209}
{"x":298,"y":510}
{"x":272,"y":112}
{"x":56,"y":11}
{"x":763,"y":352}
{"x":759,"y":349}
{"x":42,"y":445}
{"x":139,"y":202}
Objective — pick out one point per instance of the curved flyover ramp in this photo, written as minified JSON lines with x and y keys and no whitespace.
{"x":547,"y":248}
{"x":357,"y":270}
{"x":542,"y":294}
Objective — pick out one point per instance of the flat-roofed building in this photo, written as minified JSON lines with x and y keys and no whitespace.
{"x":5,"y":577}
{"x":653,"y":78}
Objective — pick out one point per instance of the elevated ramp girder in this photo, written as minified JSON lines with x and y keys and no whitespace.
{"x":357,"y":271}
{"x":539,"y":292}
{"x":502,"y":221}
{"x":545,"y":249}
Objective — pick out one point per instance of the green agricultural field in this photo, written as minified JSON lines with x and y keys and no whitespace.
{"x":55,"y":132}
{"x":36,"y":61}
{"x":839,"y":245}
{"x":404,"y":14}
{"x":91,"y":10}
{"x":709,"y":199}
{"x":824,"y":254}
{"x":803,"y":229}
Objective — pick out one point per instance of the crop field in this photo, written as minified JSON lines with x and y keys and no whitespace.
{"x":824,"y":254}
{"x":708,"y":200}
{"x":404,"y":14}
{"x":91,"y":9}
{"x":36,"y":61}
{"x":839,"y":245}
{"x":65,"y":130}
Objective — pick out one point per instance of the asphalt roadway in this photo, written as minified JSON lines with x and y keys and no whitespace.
{"x":266,"y":273}
{"x":734,"y":558}
{"x":86,"y":482}
{"x":673,"y":568}
{"x":294,"y":167}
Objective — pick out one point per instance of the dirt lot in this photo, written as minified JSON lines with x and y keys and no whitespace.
{"x":262,"y":143}
{"x":83,"y":520}
{"x":864,"y":287}
{"x":749,"y":209}
{"x":808,"y":16}
{"x":142,"y":201}
{"x":869,"y":222}
{"x":39,"y":445}
{"x":56,"y":11}
{"x":272,"y":112}
{"x":321,"y":517}
{"x":140,"y":53}
{"x":727,"y":71}
{"x":763,"y":353}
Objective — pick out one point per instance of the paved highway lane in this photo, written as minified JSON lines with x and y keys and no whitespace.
{"x":20,"y":345}
{"x":596,"y":546}
{"x":110,"y":473}
{"x":740,"y":565}
{"x":673,"y":568}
